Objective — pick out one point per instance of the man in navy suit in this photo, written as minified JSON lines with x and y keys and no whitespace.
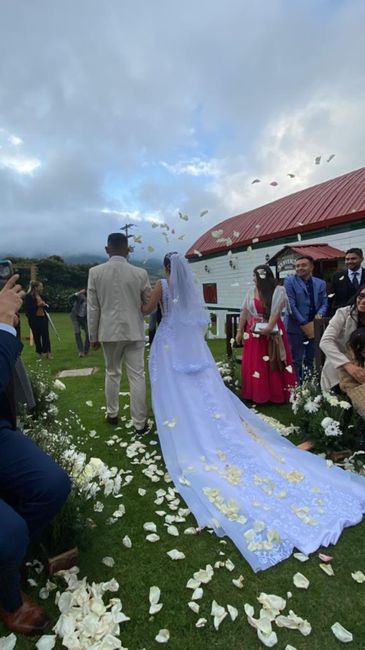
{"x":345,"y":283}
{"x":308,"y":300}
{"x":32,"y":487}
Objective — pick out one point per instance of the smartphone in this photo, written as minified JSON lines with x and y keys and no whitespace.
{"x":6,"y":270}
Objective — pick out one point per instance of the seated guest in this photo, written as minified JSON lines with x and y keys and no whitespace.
{"x":32,"y":487}
{"x":349,"y":385}
{"x":334,"y":342}
{"x":345,"y":283}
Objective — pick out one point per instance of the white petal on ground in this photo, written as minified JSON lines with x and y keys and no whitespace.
{"x":172,"y":530}
{"x":163,"y":636}
{"x":8,"y":642}
{"x":59,"y":384}
{"x":233,"y":612}
{"x":301,"y":557}
{"x":238,"y":582}
{"x":108,"y":561}
{"x":269,"y":640}
{"x":229,"y":565}
{"x":154,"y":609}
{"x":89,"y":403}
{"x":358,"y":576}
{"x":341,"y":633}
{"x":194,"y":607}
{"x":152,"y":537}
{"x":201,"y":622}
{"x":192,"y":583}
{"x":150,"y":527}
{"x":154,"y":595}
{"x":327,"y":568}
{"x":190,"y":531}
{"x":46,"y":642}
{"x":300,"y":581}
{"x":174,"y":554}
{"x":127,"y":541}
{"x":141,"y":492}
{"x":197,"y":594}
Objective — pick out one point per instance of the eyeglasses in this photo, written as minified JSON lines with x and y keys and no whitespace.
{"x":361,"y":296}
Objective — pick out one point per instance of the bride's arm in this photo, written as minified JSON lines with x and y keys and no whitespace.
{"x":154,"y":299}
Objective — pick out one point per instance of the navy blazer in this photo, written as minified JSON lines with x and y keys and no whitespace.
{"x":10,"y":348}
{"x":299,"y":301}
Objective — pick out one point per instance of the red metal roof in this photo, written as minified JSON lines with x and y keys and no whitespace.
{"x":339,"y":200}
{"x":317,"y":251}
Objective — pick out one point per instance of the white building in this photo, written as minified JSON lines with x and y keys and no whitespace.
{"x":331,"y":213}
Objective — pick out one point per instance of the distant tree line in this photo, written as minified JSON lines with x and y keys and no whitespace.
{"x":62,"y":279}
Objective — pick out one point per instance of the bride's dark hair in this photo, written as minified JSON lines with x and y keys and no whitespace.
{"x":167,"y":261}
{"x":266,"y":284}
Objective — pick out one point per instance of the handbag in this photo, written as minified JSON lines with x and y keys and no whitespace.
{"x":259,"y":326}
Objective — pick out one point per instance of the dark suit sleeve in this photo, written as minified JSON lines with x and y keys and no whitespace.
{"x":322,"y":299}
{"x":10,"y":349}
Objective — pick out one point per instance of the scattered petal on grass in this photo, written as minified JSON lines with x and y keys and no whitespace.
{"x":300,"y":581}
{"x":289,"y":647}
{"x":127,"y":541}
{"x":192,"y":583}
{"x":301,"y":557}
{"x":194,"y":607}
{"x":174,"y":554}
{"x":152,"y":537}
{"x":233,"y":612}
{"x":219,"y":613}
{"x":8,"y":642}
{"x":197,"y":594}
{"x":294,"y":622}
{"x":201,"y":622}
{"x":154,"y":609}
{"x":269,"y":640}
{"x":325,"y":558}
{"x":163,"y":636}
{"x":141,"y":492}
{"x":341,"y":633}
{"x":238,"y":582}
{"x":59,"y":384}
{"x":108,"y":561}
{"x":229,"y":565}
{"x":154,"y":595}
{"x":358,"y":576}
{"x":89,"y":403}
{"x":327,"y":568}
{"x":190,"y":531}
{"x":150,"y":527}
{"x":46,"y":642}
{"x":172,"y":530}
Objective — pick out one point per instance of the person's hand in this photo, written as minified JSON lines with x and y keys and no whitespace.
{"x":10,"y":301}
{"x":239,"y":337}
{"x":265,"y":331}
{"x":95,"y":345}
{"x":355,"y":372}
{"x":318,"y":317}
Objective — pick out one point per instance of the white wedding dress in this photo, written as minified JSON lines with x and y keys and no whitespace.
{"x":236,"y":473}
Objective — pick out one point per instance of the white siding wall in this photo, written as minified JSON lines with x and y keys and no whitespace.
{"x":232,"y":284}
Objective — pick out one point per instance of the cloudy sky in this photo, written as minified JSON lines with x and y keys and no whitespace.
{"x":131,"y":111}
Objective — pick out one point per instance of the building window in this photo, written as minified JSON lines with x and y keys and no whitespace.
{"x":210,"y":293}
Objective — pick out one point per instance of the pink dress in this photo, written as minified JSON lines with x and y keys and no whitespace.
{"x":260,"y":384}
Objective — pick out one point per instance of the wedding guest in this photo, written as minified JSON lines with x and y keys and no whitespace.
{"x":115,"y":292}
{"x":267,"y":373}
{"x":32,"y":486}
{"x":345,"y":283}
{"x":308,"y":300}
{"x":349,"y":385}
{"x":35,"y":308}
{"x":334,"y":342}
{"x":78,"y":317}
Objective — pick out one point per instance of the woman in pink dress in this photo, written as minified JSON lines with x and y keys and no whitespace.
{"x":267,"y":372}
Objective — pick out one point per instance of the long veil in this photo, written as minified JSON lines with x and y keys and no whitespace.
{"x":188,"y":318}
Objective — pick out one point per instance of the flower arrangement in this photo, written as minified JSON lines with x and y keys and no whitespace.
{"x":229,"y":374}
{"x":328,"y":420}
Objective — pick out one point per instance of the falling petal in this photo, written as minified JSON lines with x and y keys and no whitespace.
{"x":217,"y":233}
{"x":341,"y":633}
{"x":204,"y":212}
{"x":331,"y":157}
{"x":257,"y":180}
{"x":317,"y":160}
{"x":198,"y":253}
{"x":256,"y":375}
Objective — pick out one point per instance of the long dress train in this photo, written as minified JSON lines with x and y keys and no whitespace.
{"x":235,"y":472}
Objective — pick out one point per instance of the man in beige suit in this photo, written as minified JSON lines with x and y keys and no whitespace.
{"x":116,"y":290}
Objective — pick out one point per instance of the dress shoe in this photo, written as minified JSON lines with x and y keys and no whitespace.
{"x":28,"y":619}
{"x":111,"y":420}
{"x":143,"y":431}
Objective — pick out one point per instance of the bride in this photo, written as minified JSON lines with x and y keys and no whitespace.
{"x":236,"y":473}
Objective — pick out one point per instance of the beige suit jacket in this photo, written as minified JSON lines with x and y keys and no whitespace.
{"x":334,"y":344}
{"x":115,"y":292}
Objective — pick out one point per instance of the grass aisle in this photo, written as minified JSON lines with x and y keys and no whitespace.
{"x":327,"y":600}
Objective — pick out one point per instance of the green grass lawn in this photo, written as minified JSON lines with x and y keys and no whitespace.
{"x":327,"y":600}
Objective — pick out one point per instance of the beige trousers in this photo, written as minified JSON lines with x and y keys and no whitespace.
{"x":132,"y":353}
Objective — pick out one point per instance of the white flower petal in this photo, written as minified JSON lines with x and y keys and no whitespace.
{"x":238,"y":582}
{"x":229,"y":565}
{"x":358,"y":576}
{"x":341,"y":633}
{"x":163,"y":636}
{"x":152,"y":537}
{"x":108,"y":561}
{"x":233,"y":612}
{"x":192,"y":583}
{"x":46,"y":642}
{"x":141,"y":492}
{"x":150,"y":527}
{"x":194,"y":607}
{"x":201,"y":622}
{"x":190,"y":531}
{"x":154,"y":609}
{"x":327,"y":568}
{"x":8,"y":642}
{"x":126,"y":541}
{"x":197,"y":594}
{"x":301,"y":557}
{"x":172,"y":530}
{"x":300,"y":581}
{"x":89,"y":403}
{"x":174,"y":554}
{"x":154,"y":595}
